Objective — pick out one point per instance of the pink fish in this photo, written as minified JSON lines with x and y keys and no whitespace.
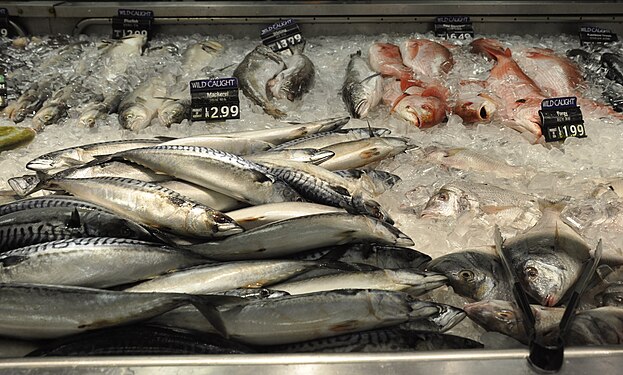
{"x":429,"y":60}
{"x":422,"y":107}
{"x":556,"y":75}
{"x":474,"y":104}
{"x":385,"y":59}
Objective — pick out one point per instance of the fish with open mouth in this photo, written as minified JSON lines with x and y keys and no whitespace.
{"x":362,"y":89}
{"x":296,"y":79}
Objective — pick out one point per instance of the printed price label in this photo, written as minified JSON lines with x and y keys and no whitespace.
{"x":281,"y":35}
{"x":454,"y":27}
{"x":4,"y":22}
{"x":593,"y":34}
{"x":561,"y":118}
{"x":3,"y":92}
{"x":132,"y":22}
{"x":214,"y":99}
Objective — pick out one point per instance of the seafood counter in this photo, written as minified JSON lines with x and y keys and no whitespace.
{"x":366,"y":201}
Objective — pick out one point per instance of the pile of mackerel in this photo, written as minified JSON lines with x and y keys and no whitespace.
{"x":255,"y":241}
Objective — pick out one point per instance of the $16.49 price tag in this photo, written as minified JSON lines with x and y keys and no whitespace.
{"x":454,"y":27}
{"x":281,"y":35}
{"x":130,"y":22}
{"x":214,"y":99}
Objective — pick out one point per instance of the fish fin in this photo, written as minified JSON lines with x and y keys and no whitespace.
{"x":454,"y":151}
{"x":370,"y":131}
{"x":12,"y":260}
{"x":556,"y":206}
{"x":99,"y":159}
{"x":499,"y":241}
{"x":74,"y":219}
{"x":340,"y":190}
{"x":207,"y":306}
{"x":164,"y":138}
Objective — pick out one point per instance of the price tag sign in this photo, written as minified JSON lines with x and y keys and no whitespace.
{"x":3,"y":92}
{"x":454,"y":27}
{"x":561,"y":118}
{"x":281,"y":35}
{"x":131,"y":22}
{"x":4,"y":22}
{"x":593,"y":34}
{"x":214,"y":99}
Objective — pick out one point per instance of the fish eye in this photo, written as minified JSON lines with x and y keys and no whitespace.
{"x":531,"y":272}
{"x":443,"y":197}
{"x":264,"y":293}
{"x":466,"y":275}
{"x":221,"y":219}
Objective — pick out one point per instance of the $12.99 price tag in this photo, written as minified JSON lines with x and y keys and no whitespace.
{"x":130,"y":22}
{"x":4,"y":22}
{"x":214,"y":99}
{"x":282,"y":35}
{"x":561,"y":118}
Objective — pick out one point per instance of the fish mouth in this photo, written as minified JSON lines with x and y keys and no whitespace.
{"x":549,"y":300}
{"x":228,"y":229}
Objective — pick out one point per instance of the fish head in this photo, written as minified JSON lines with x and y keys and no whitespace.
{"x":526,"y":117}
{"x":201,"y":219}
{"x":497,"y":315}
{"x":279,"y":87}
{"x":47,"y":116}
{"x":475,"y":109}
{"x":135,"y":117}
{"x":613,"y":295}
{"x":423,"y":112}
{"x":448,"y":317}
{"x":88,"y":118}
{"x":19,"y":113}
{"x":171,"y":113}
{"x":467,"y":278}
{"x":448,"y":201}
{"x":544,"y":280}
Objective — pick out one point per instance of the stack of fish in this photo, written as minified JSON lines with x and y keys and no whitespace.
{"x":142,"y":239}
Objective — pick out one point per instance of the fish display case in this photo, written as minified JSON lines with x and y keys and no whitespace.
{"x":334,"y":31}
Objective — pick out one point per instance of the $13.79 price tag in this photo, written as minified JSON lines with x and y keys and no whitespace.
{"x":130,"y":22}
{"x":281,"y":35}
{"x":561,"y":118}
{"x":4,"y":22}
{"x":214,"y":99}
{"x":454,"y":27}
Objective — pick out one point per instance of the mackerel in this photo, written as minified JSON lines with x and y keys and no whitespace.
{"x":356,"y":154}
{"x":217,"y":170}
{"x":47,"y":202}
{"x":311,"y":316}
{"x":205,"y":196}
{"x":276,"y":239}
{"x":78,"y":262}
{"x":238,"y":146}
{"x":79,"y":155}
{"x":224,"y":277}
{"x":303,"y":155}
{"x":29,"y":227}
{"x":374,"y":181}
{"x":256,"y":216}
{"x":410,"y":281}
{"x":152,"y":205}
{"x":321,"y":140}
{"x":319,"y":185}
{"x":38,"y":311}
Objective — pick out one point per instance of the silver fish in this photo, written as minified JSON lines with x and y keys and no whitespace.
{"x":138,"y":108}
{"x":223,"y":277}
{"x":362,"y":89}
{"x":256,"y":216}
{"x":374,"y":181}
{"x":217,"y":170}
{"x":601,"y":326}
{"x":293,"y":130}
{"x":303,"y":155}
{"x":410,"y":281}
{"x":290,"y":319}
{"x":80,"y":155}
{"x":78,"y":262}
{"x":475,"y":275}
{"x":100,"y":109}
{"x":55,"y":107}
{"x":455,"y":198}
{"x":380,"y":341}
{"x":275,"y":239}
{"x":152,"y":205}
{"x":238,"y":146}
{"x":324,"y":139}
{"x":46,"y":202}
{"x":466,"y":159}
{"x":548,"y":257}
{"x":254,"y":72}
{"x":356,"y":154}
{"x":37,"y":311}
{"x":29,"y":227}
{"x":200,"y":55}
{"x":296,"y":79}
{"x":325,"y":187}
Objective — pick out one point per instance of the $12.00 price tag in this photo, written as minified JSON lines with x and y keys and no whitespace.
{"x":214,"y":99}
{"x":561,"y":118}
{"x":132,"y":22}
{"x":454,"y":27}
{"x":4,"y":22}
{"x":282,"y":35}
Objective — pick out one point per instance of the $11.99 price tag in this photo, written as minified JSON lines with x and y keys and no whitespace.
{"x":561,"y":118}
{"x":214,"y":99}
{"x":130,"y":22}
{"x":282,"y":35}
{"x":4,"y":22}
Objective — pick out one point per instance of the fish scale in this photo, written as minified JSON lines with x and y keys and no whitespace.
{"x":47,"y":202}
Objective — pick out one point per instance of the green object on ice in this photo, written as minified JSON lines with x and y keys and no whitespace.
{"x":13,"y":136}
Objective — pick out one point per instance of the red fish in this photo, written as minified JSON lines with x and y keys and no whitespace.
{"x":385,"y":59}
{"x":429,"y":60}
{"x":473,"y":103}
{"x":556,"y":75}
{"x":422,"y":107}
